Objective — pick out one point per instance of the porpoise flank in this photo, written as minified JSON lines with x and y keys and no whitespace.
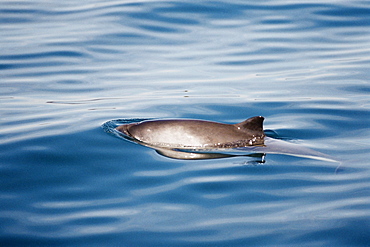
{"x":196,"y":133}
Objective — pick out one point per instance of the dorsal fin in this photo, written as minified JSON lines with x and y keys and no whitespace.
{"x":252,"y":124}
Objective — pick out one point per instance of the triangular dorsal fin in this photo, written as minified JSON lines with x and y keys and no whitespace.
{"x":252,"y":124}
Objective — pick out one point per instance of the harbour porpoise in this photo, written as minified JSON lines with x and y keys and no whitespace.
{"x":186,"y":133}
{"x":199,"y":139}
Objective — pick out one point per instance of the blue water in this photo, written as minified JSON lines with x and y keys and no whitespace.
{"x":67,"y":67}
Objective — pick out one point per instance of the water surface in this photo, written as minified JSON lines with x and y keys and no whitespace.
{"x":68,"y":67}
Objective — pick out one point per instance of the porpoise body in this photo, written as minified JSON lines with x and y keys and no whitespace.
{"x":196,"y":133}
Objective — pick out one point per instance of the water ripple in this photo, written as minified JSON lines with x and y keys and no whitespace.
{"x":67,"y":67}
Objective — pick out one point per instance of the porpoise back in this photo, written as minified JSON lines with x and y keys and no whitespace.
{"x":196,"y":133}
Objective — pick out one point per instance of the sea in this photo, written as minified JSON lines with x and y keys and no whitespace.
{"x":69,"y":67}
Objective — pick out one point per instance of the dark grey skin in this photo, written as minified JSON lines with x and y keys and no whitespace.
{"x":196,"y":133}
